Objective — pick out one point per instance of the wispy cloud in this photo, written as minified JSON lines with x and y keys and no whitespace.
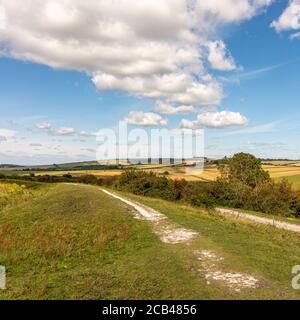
{"x":266,"y":145}
{"x":261,"y":71}
{"x":253,"y":74}
{"x":267,"y":127}
{"x":47,"y":127}
{"x":64,"y":131}
{"x":43,"y":125}
{"x":294,"y":36}
{"x":6,"y":133}
{"x":36,"y":145}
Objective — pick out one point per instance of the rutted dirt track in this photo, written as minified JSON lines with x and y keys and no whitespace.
{"x":171,"y":233}
{"x":167,"y":231}
{"x":274,"y":223}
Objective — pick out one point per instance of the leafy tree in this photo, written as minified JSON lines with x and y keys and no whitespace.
{"x":245,"y":168}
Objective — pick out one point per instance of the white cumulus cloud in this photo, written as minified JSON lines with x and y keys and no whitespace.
{"x":145,"y":119}
{"x":174,"y":87}
{"x":152,"y":49}
{"x":219,"y":12}
{"x":218,"y":56}
{"x":289,"y":19}
{"x":166,"y":108}
{"x":215,"y":119}
{"x":2,"y":18}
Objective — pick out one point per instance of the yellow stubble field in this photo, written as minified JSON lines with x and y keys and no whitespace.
{"x":277,"y":170}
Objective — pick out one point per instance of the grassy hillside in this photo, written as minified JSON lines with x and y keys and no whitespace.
{"x":268,"y":252}
{"x":74,"y":242}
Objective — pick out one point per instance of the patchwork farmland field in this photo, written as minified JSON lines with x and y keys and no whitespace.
{"x":294,"y":180}
{"x":278,"y":170}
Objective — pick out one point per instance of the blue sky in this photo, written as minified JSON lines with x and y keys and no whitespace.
{"x":52,"y":104}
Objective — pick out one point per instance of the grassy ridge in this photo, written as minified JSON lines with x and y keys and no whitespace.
{"x":74,"y":242}
{"x":265,"y":251}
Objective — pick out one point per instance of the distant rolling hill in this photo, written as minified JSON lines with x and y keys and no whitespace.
{"x":9,"y":166}
{"x":86,"y":165}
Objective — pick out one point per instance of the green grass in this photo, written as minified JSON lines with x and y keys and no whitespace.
{"x":267,"y":252}
{"x":75,"y":242}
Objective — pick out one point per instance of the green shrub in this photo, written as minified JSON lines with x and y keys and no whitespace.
{"x":267,"y":196}
{"x":229,"y":193}
{"x":295,"y":206}
{"x":271,"y":197}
